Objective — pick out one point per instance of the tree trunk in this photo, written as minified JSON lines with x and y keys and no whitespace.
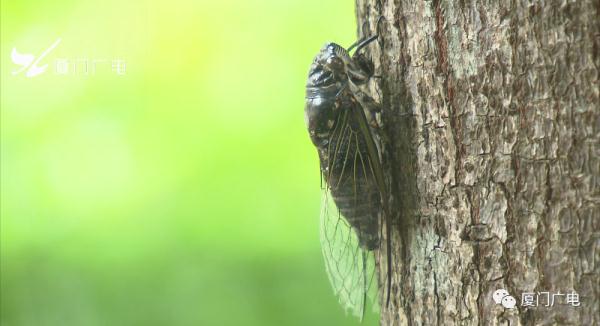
{"x":492,"y":118}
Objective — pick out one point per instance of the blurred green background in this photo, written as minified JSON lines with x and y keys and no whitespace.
{"x":182,"y":192}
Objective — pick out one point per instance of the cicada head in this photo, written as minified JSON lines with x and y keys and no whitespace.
{"x":334,"y":65}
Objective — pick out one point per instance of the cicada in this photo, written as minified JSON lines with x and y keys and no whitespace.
{"x":342,"y":122}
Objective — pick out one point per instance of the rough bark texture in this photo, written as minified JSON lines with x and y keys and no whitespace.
{"x":492,"y":112}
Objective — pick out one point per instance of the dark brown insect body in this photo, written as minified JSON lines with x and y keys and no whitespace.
{"x":338,"y":128}
{"x":341,"y":121}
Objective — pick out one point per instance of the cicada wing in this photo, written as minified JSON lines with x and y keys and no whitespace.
{"x":366,"y":103}
{"x":350,"y":268}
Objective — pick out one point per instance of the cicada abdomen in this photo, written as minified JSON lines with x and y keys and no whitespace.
{"x":350,"y":166}
{"x":348,"y":177}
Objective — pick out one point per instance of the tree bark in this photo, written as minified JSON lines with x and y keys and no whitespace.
{"x":492,"y":120}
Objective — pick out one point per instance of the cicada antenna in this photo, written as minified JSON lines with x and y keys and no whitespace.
{"x":362,"y":43}
{"x":366,"y":42}
{"x":355,"y":44}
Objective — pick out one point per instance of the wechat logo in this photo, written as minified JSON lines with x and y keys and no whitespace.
{"x":502,"y":297}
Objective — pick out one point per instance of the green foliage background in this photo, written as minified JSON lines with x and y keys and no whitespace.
{"x":185,"y":192}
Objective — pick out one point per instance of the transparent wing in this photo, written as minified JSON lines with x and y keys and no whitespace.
{"x":351,"y":269}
